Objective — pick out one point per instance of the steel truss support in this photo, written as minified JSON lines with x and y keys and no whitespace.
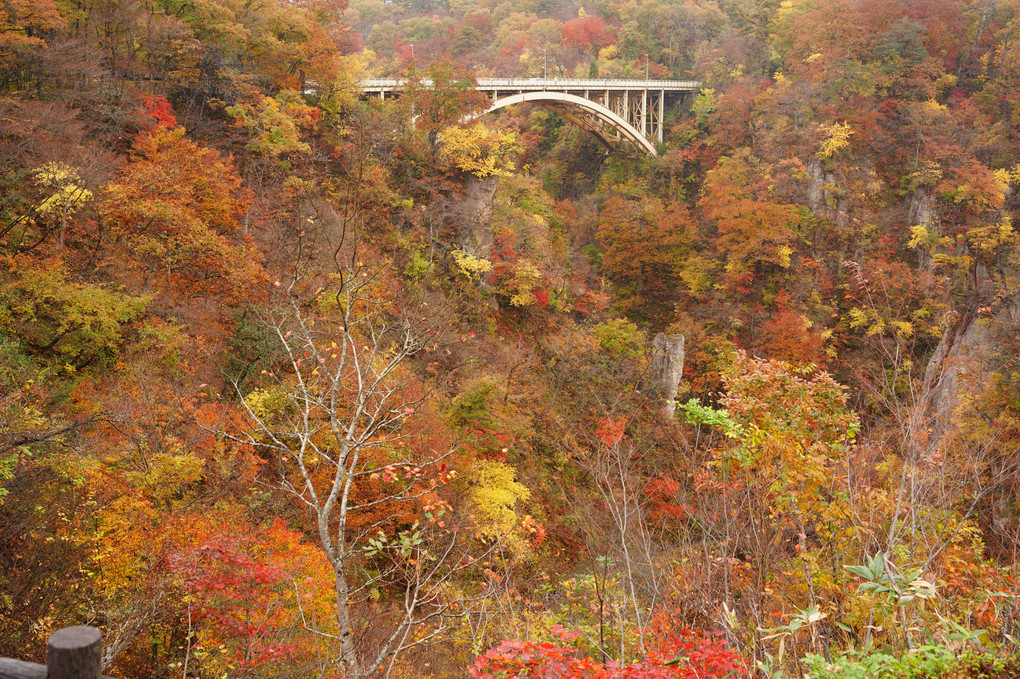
{"x":613,"y":130}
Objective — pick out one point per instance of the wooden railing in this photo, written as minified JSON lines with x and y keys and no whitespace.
{"x":71,"y":653}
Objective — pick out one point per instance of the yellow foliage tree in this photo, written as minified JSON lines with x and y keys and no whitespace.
{"x":481,"y":151}
{"x":68,"y":193}
{"x":837,"y":137}
{"x":470,"y":266}
{"x":276,"y":123}
{"x":494,"y":499}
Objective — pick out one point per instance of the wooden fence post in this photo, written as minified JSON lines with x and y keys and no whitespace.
{"x":74,"y":653}
{"x":71,"y":653}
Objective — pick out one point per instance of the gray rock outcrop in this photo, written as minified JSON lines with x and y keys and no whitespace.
{"x":959,"y":367}
{"x":667,"y":368}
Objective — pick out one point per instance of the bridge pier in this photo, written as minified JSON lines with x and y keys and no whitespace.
{"x":662,"y":116}
{"x":644,"y":113}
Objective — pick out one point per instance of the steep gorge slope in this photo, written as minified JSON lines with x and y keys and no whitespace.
{"x":289,"y":387}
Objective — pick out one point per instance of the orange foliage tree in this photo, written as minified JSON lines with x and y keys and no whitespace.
{"x":175,"y":211}
{"x":644,"y":243}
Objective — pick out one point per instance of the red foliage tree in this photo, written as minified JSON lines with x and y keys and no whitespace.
{"x":683,"y":655}
{"x":588,"y":34}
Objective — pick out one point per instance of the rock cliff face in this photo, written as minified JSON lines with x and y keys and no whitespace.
{"x":472,"y":216}
{"x":819,"y":196}
{"x":967,"y":353}
{"x":823,"y":199}
{"x":667,"y":369}
{"x":924,"y":211}
{"x":468,"y":215}
{"x":982,"y":342}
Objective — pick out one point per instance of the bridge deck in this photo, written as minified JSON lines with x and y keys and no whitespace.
{"x":378,"y":85}
{"x":616,"y":112}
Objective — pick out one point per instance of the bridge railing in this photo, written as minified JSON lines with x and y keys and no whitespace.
{"x":548,"y":83}
{"x":588,"y":83}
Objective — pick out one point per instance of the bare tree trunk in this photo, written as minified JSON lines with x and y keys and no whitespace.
{"x":348,"y":653}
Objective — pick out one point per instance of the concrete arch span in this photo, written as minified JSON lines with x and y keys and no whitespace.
{"x":605,"y":125}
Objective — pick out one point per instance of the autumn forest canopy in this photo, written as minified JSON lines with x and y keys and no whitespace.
{"x":292,"y":386}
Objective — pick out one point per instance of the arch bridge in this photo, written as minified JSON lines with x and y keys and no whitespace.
{"x":621,"y":114}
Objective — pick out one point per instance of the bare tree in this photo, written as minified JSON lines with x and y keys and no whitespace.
{"x":614,"y":466}
{"x":337,"y":420}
